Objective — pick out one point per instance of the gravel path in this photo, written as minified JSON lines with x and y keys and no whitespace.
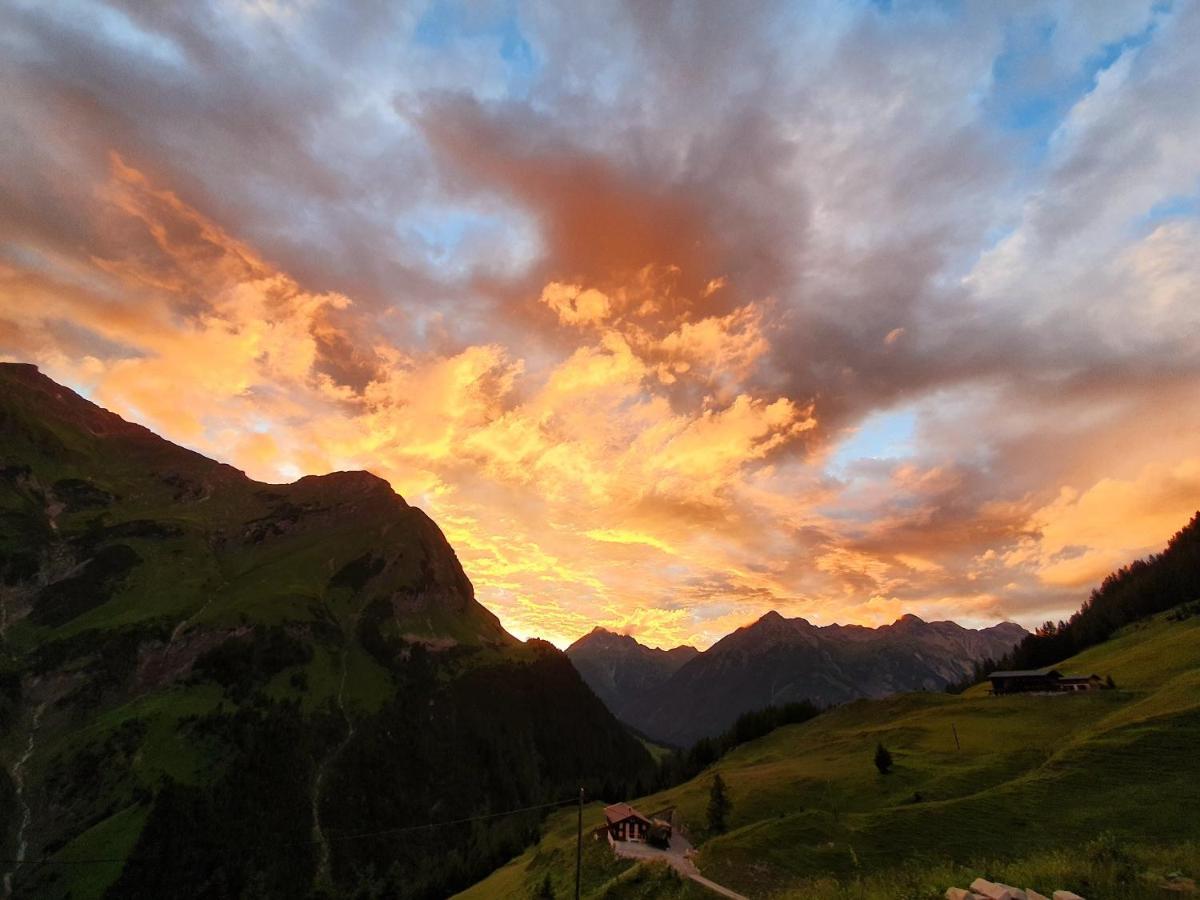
{"x":678,"y":857}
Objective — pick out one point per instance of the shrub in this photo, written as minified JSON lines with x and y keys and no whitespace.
{"x":883,"y":759}
{"x":718,"y":805}
{"x":1107,"y":853}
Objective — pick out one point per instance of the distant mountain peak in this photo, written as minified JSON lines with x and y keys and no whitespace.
{"x":774,"y":618}
{"x":347,"y":485}
{"x":601,"y":636}
{"x":620,"y":669}
{"x":777,"y":660}
{"x":775,"y":623}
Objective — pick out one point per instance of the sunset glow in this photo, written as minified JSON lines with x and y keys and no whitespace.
{"x":859,"y":330}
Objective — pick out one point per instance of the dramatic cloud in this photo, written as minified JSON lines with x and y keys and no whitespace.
{"x":669,"y":314}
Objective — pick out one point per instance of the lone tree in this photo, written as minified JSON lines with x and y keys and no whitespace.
{"x":718,"y":805}
{"x":883,"y":759}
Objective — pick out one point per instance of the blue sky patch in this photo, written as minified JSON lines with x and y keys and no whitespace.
{"x":447,"y":21}
{"x":881,"y":435}
{"x":1029,"y":96}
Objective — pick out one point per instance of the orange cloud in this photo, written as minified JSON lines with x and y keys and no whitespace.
{"x":642,"y":470}
{"x":575,"y":305}
{"x":1082,"y":536}
{"x":539,"y":477}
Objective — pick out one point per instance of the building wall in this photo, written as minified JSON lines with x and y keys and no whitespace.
{"x":629,"y":830}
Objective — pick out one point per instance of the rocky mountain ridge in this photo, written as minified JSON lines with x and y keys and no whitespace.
{"x":621,"y":670}
{"x":777,"y":660}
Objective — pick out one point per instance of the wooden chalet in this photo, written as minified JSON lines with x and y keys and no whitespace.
{"x":625,"y":823}
{"x":1042,"y":681}
{"x":1081,"y":683}
{"x":1025,"y":681}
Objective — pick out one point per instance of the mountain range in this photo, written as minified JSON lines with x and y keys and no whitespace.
{"x":682,"y":695}
{"x":230,"y":688}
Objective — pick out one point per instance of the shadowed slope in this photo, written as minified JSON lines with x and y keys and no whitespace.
{"x":218,"y":678}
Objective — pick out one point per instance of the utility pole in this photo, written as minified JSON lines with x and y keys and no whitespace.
{"x":579,"y":846}
{"x":957,"y":745}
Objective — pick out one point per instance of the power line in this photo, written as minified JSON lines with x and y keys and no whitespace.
{"x":51,"y":861}
{"x":406,"y":828}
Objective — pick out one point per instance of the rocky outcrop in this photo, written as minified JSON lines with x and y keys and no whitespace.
{"x":982,"y":889}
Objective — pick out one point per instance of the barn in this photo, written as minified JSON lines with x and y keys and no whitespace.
{"x":1080,"y":683}
{"x":1044,"y":681}
{"x":1025,"y":681}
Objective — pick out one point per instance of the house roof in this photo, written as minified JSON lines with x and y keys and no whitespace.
{"x":1047,"y":672}
{"x":619,"y":812}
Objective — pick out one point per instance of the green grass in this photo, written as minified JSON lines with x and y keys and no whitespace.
{"x":163,"y":751}
{"x":555,"y":855}
{"x":1134,"y":872}
{"x":657,"y":751}
{"x":1030,"y":775}
{"x":112,"y":838}
{"x":652,"y":881}
{"x":170,"y":582}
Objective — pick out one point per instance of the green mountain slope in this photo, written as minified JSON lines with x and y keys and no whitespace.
{"x":1032,"y":774}
{"x":211,"y":686}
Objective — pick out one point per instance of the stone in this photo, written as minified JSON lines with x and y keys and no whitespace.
{"x":994,"y":891}
{"x":1031,"y":894}
{"x":1177,"y":884}
{"x":1066,"y":895}
{"x":958,"y":894}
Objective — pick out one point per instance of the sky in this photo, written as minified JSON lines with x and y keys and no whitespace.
{"x":669,"y":314}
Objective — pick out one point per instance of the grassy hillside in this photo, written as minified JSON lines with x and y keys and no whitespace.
{"x":1035,"y":782}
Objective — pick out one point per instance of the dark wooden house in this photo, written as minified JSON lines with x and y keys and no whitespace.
{"x":1081,"y":683}
{"x":1046,"y":681}
{"x":1025,"y":681}
{"x":625,"y":823}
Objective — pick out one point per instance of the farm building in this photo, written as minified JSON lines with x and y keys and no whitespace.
{"x":1046,"y":681}
{"x":625,"y":823}
{"x":1025,"y":681}
{"x":1080,"y":683}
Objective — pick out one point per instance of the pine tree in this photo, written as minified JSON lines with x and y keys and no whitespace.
{"x":718,"y":805}
{"x":883,"y":759}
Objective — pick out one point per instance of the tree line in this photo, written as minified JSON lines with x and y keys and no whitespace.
{"x":682,"y":765}
{"x":1147,"y":586}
